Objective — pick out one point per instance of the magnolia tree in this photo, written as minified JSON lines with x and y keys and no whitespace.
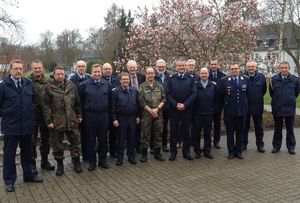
{"x":193,"y":29}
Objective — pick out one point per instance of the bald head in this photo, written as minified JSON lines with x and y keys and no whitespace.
{"x":204,"y":73}
{"x":251,"y":67}
{"x":107,"y":70}
{"x":81,"y":67}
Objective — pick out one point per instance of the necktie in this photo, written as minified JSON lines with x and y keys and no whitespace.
{"x":19,"y":84}
{"x":134,"y":82}
{"x":235,"y":82}
{"x":181,"y":76}
{"x":161,"y":78}
{"x":214,"y":75}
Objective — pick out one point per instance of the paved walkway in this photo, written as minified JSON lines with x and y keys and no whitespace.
{"x":258,"y":178}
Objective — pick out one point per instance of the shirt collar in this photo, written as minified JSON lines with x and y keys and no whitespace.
{"x":14,"y":80}
{"x":80,"y":76}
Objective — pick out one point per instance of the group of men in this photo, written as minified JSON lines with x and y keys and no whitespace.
{"x":103,"y":112}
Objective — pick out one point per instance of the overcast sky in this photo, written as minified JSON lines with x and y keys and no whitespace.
{"x":56,"y":15}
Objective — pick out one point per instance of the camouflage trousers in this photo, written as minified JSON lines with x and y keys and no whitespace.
{"x":56,"y":141}
{"x":151,"y":127}
{"x":44,"y":138}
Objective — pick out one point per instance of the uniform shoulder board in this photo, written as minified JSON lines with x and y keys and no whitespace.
{"x":171,"y":75}
{"x":246,"y":76}
{"x":191,"y":75}
{"x":213,"y":82}
{"x":114,"y":89}
{"x":1,"y":81}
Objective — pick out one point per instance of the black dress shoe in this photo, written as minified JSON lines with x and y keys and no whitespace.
{"x":188,"y":157}
{"x":217,"y":145}
{"x":165,"y":148}
{"x":291,"y":151}
{"x":159,"y":157}
{"x":152,"y":151}
{"x":209,"y":156}
{"x":274,"y":150}
{"x":230,"y":156}
{"x":91,"y":167}
{"x":119,"y":163}
{"x":239,"y":156}
{"x":10,"y":188}
{"x":172,"y":157}
{"x":197,"y":156}
{"x":34,"y":179}
{"x":103,"y":165}
{"x":132,"y":161}
{"x":261,"y":149}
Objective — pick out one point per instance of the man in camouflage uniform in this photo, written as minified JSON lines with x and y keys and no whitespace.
{"x":152,"y":99}
{"x":62,"y":114}
{"x":39,"y":81}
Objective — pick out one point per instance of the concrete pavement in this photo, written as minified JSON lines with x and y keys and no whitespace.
{"x":258,"y":178}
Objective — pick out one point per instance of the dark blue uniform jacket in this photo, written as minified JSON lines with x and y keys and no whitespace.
{"x":180,"y":90}
{"x":16,"y":107}
{"x":205,"y":102}
{"x":284,"y":94}
{"x":256,"y":91}
{"x":233,"y":99}
{"x":94,"y":97}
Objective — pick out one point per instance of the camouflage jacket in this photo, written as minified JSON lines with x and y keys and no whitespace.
{"x":151,"y":96}
{"x":61,"y":105}
{"x":39,"y":86}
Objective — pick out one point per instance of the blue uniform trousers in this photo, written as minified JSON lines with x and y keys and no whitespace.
{"x":9,"y":164}
{"x":235,"y":125}
{"x":180,"y":126}
{"x":126,"y":136}
{"x":259,"y":132}
{"x":203,"y":122}
{"x":96,"y":127}
{"x":290,"y":136}
{"x":217,"y":127}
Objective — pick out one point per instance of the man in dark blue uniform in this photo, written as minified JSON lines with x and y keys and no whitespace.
{"x":256,"y":91}
{"x":191,"y":70}
{"x":232,"y":95}
{"x":94,"y":94}
{"x":215,"y":75}
{"x":181,"y":93}
{"x":162,"y":77}
{"x":204,"y":106}
{"x":284,"y":89}
{"x":113,"y":82}
{"x":125,"y":115}
{"x":78,"y":78}
{"x":16,"y":95}
{"x":136,"y":79}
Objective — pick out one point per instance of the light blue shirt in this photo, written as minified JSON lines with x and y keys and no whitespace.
{"x":204,"y":84}
{"x":16,"y":81}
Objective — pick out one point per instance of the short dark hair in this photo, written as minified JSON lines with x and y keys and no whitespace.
{"x":96,"y":65}
{"x":12,"y":62}
{"x":181,"y":58}
{"x":284,"y":62}
{"x":36,"y":61}
{"x":58,"y":67}
{"x":124,"y":74}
